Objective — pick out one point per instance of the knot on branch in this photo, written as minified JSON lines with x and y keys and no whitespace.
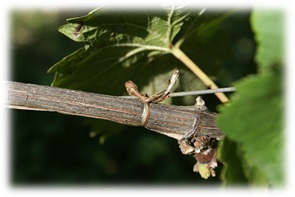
{"x":202,"y":147}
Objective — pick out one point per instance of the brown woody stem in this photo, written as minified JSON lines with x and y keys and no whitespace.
{"x":170,"y":120}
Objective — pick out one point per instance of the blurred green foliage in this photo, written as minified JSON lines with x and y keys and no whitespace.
{"x":254,"y":117}
{"x":51,"y":148}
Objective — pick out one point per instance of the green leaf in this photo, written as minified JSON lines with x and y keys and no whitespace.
{"x":254,"y":119}
{"x":202,"y":25}
{"x":269,"y":29}
{"x":254,"y":174}
{"x":123,"y":45}
{"x":237,"y":170}
{"x":126,"y":45}
{"x":232,"y":172}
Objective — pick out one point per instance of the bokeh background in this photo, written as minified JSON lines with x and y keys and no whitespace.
{"x":52,"y":148}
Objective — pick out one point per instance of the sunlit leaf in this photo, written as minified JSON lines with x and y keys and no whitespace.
{"x":123,"y":46}
{"x":254,"y":119}
{"x":269,"y":31}
{"x":133,"y":45}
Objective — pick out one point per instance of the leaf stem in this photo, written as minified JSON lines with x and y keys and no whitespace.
{"x":179,"y":54}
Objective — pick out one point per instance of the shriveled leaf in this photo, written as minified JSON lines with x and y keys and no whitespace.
{"x":269,"y":30}
{"x":254,"y":119}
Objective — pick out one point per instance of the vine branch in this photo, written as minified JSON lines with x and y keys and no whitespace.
{"x":173,"y":121}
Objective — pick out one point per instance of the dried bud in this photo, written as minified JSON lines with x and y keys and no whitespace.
{"x":205,"y":154}
{"x":200,"y":104}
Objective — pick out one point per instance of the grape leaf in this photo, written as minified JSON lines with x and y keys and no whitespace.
{"x":122,"y":45}
{"x":132,"y":45}
{"x":232,"y":172}
{"x":268,"y":28}
{"x":254,"y":120}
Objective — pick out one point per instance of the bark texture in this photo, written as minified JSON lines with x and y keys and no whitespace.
{"x":174,"y":121}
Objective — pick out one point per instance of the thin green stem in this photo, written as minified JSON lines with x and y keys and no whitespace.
{"x":179,"y":54}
